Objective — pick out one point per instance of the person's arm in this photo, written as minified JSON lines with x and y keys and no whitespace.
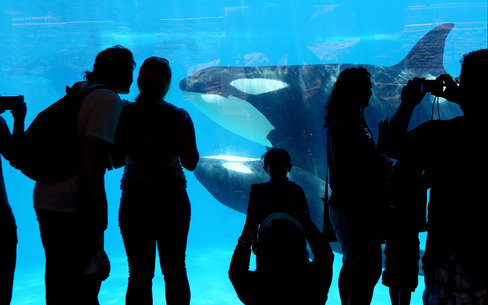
{"x":239,"y":273}
{"x":93,"y":200}
{"x":18,"y":114}
{"x":299,"y":203}
{"x":250,"y":227}
{"x":398,"y":126}
{"x":318,"y":244}
{"x":5,"y":138}
{"x":117,"y":151}
{"x":189,"y":155}
{"x":323,"y":255}
{"x":7,"y":148}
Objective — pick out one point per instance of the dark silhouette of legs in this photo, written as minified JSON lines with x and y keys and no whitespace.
{"x":155,"y":220}
{"x":8,"y":256}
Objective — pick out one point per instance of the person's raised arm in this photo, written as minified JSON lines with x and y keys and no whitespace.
{"x":239,"y":273}
{"x":19,"y":113}
{"x":398,"y":126}
{"x":8,"y":149}
{"x":93,"y":200}
{"x":318,"y":243}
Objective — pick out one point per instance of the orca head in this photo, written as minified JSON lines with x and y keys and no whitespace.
{"x":223,"y":95}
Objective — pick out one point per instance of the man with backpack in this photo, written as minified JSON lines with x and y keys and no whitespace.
{"x":72,"y":212}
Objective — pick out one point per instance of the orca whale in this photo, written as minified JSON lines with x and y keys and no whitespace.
{"x":284,"y":106}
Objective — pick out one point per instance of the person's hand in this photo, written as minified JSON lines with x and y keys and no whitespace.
{"x":382,"y":127}
{"x":412,"y":93}
{"x":451,"y":91}
{"x":20,"y":110}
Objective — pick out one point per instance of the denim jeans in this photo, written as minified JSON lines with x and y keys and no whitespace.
{"x":156,"y":220}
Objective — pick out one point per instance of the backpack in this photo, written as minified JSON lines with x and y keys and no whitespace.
{"x":49,"y":150}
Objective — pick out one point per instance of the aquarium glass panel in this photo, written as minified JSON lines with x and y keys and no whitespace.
{"x":252,"y":75}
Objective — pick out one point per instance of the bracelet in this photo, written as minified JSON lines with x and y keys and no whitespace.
{"x":243,"y":243}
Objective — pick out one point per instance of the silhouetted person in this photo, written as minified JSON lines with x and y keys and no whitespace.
{"x":277,"y":195}
{"x":454,"y":153}
{"x":284,"y":274}
{"x":157,"y":139}
{"x":72,"y":214}
{"x":408,"y":201}
{"x":8,"y":229}
{"x":356,"y":181}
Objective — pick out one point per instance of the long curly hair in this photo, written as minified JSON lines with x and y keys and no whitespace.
{"x":339,"y":102}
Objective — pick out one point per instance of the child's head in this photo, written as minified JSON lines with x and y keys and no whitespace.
{"x":277,"y":163}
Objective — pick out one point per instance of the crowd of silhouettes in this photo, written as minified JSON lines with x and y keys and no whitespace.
{"x":378,"y":196}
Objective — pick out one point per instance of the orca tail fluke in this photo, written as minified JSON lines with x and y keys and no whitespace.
{"x":427,"y":56}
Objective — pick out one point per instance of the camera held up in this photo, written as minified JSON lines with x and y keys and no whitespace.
{"x":433,"y":86}
{"x":10,"y":102}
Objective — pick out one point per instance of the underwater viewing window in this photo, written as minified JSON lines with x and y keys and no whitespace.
{"x":252,"y":75}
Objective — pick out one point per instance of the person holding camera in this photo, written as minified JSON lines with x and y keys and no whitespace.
{"x":8,"y":228}
{"x":453,"y":152}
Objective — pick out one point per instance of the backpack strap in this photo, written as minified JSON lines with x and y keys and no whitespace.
{"x":75,"y":89}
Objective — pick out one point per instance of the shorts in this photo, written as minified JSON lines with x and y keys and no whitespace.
{"x":449,"y":284}
{"x":358,"y":234}
{"x":402,"y":261}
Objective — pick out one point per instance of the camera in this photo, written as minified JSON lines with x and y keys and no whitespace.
{"x":10,"y":102}
{"x":433,"y":86}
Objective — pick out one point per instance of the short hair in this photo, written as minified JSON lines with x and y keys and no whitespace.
{"x":111,"y":65}
{"x":155,"y":84}
{"x":474,"y":65}
{"x":277,"y":155}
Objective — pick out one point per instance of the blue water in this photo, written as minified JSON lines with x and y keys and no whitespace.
{"x":47,"y":45}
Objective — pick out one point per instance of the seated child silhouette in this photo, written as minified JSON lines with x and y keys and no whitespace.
{"x":277,"y":195}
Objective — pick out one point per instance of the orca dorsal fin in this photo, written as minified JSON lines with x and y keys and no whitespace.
{"x":427,"y":56}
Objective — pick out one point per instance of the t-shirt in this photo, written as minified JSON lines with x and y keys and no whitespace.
{"x":98,"y":116}
{"x":453,"y":153}
{"x":152,"y":136}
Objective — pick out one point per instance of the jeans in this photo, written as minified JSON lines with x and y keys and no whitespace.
{"x":63,"y":240}
{"x":147,"y":221}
